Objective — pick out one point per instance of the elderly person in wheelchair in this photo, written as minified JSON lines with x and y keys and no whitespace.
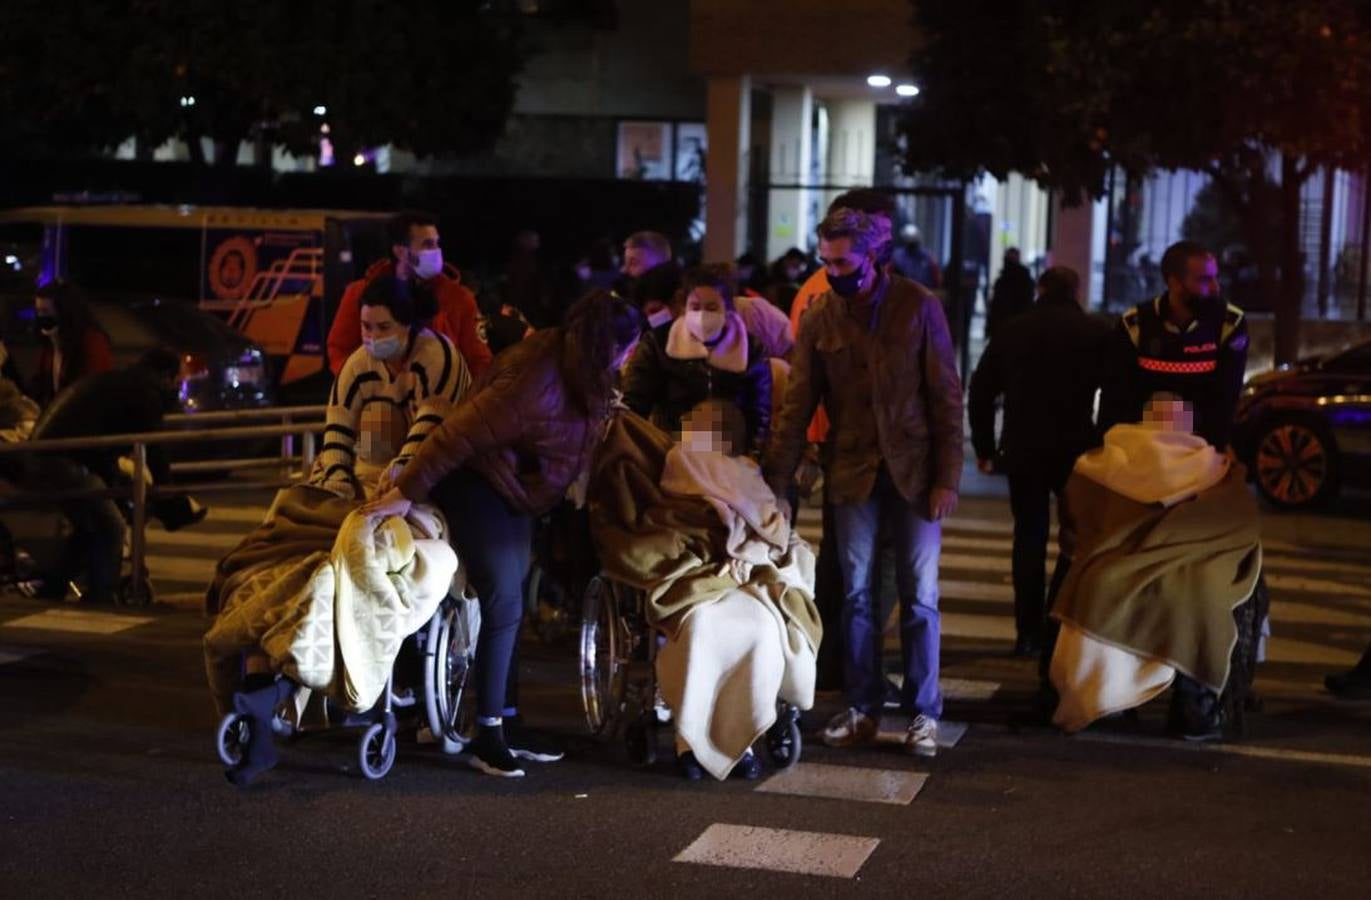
{"x":319,"y":599}
{"x":1164,"y":584}
{"x":694,"y":548}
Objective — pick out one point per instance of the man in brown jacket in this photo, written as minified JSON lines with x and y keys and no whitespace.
{"x":876,"y":351}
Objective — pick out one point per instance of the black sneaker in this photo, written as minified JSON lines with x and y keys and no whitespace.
{"x":690,"y":767}
{"x":489,"y":754}
{"x":528,"y":745}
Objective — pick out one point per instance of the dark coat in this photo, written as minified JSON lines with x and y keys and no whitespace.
{"x":1011,"y":296}
{"x":1047,"y":365}
{"x":657,"y":383}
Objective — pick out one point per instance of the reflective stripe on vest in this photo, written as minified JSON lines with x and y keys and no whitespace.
{"x":1197,"y":367}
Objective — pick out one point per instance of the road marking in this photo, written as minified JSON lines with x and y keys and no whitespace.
{"x":968,"y":688}
{"x":15,"y":654}
{"x":992,"y":627}
{"x":1285,"y":612}
{"x":1270,"y":753}
{"x":1288,"y":650}
{"x":78,"y":621}
{"x":959,"y":589}
{"x":780,"y":850}
{"x":1322,"y":586}
{"x":970,"y":563}
{"x":1313,"y":563}
{"x":846,"y":783}
{"x":181,"y":568}
{"x":196,"y":539}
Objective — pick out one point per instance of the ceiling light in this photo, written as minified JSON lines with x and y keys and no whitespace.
{"x":878,"y":80}
{"x":907,"y":90}
{"x":320,"y":110}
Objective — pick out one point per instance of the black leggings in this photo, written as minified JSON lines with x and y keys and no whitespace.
{"x":495,"y":543}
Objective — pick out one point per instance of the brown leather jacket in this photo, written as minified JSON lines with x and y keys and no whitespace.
{"x":524,"y":426}
{"x":915,"y":399}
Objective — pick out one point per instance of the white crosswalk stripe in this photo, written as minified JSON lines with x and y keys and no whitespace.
{"x":780,"y":850}
{"x":854,"y":783}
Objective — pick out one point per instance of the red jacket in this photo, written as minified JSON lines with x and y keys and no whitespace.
{"x":99,"y":357}
{"x":456,"y":318}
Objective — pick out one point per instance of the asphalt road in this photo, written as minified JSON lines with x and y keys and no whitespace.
{"x":109,"y":784}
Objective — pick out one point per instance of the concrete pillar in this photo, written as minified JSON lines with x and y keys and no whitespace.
{"x":728,"y":118}
{"x":1072,"y":241}
{"x":851,"y":145}
{"x":792,"y":117}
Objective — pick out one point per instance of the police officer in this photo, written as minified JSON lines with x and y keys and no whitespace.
{"x":1186,"y":341}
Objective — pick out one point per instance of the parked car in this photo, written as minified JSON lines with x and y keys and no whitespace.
{"x":1305,"y":430}
{"x":220,"y":369}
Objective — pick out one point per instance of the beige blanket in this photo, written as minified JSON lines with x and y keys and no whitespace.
{"x":1166,"y":545}
{"x":730,"y":659}
{"x":333,"y":621}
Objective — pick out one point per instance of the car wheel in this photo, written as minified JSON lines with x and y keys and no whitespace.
{"x":1296,"y":463}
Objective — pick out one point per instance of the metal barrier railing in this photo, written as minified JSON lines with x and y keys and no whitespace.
{"x":296,"y":421}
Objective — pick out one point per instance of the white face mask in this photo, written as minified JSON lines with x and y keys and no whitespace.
{"x":659,"y":318}
{"x":428,"y":263}
{"x":705,"y":325}
{"x":702,"y":440}
{"x":385,"y":348}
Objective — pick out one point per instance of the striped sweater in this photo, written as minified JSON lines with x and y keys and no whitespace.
{"x":375,"y":419}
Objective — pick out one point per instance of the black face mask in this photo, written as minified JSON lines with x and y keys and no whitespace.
{"x":847,"y":285}
{"x":45,"y":323}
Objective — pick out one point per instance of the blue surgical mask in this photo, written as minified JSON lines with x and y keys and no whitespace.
{"x":385,"y":348}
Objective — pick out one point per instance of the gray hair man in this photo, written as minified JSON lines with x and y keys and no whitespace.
{"x":876,"y":351}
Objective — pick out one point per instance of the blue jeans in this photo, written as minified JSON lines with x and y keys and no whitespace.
{"x":916,"y":543}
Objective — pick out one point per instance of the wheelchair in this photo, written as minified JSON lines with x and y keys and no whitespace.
{"x":435,"y":664}
{"x":619,"y":678}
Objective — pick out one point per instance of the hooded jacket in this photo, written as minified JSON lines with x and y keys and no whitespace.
{"x":456,"y":318}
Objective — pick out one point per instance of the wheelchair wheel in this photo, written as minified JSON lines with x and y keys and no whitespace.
{"x":604,"y":656}
{"x":231,"y":740}
{"x":448,"y":653}
{"x":783,"y":739}
{"x":376,"y":751}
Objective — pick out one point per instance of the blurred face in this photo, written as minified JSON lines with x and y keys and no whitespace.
{"x":703,"y":431}
{"x":1168,"y":414}
{"x":1201,"y":279}
{"x":638,"y":260}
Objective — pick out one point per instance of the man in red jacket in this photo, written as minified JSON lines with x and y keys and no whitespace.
{"x":418,"y":254}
